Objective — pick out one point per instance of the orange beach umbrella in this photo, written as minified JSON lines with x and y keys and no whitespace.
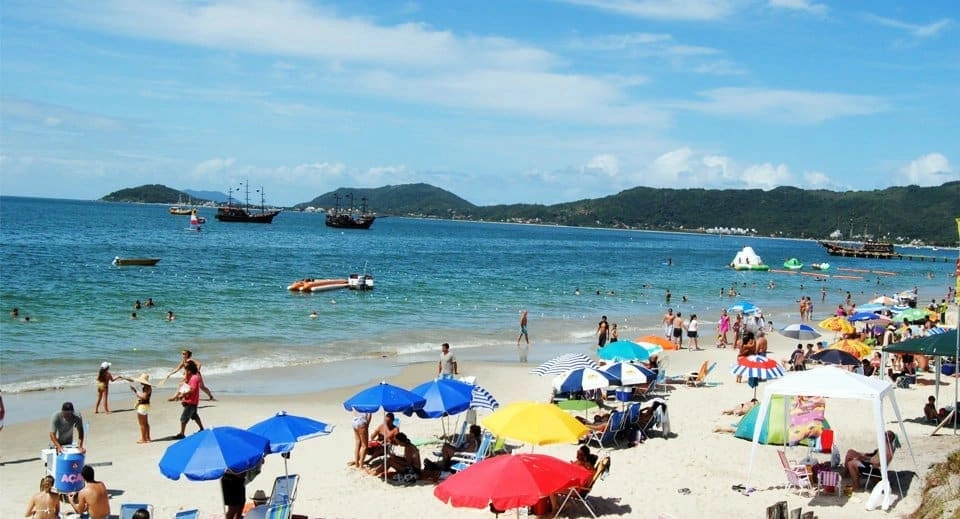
{"x":655,"y":339}
{"x":858,"y":349}
{"x":836,"y":324}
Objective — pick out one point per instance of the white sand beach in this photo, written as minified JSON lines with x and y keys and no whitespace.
{"x":645,"y":481}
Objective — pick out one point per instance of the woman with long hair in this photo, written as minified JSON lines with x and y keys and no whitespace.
{"x":46,"y":503}
{"x":104,"y":378}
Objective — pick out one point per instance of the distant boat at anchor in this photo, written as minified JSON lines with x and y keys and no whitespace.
{"x":350,"y":217}
{"x":236,"y":213}
{"x":135,"y":262}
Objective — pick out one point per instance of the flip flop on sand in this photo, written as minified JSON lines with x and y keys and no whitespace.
{"x":684,"y":491}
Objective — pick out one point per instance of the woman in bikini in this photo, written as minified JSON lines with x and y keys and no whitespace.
{"x":361,"y":434}
{"x":104,"y":378}
{"x":143,"y":405}
{"x":46,"y":503}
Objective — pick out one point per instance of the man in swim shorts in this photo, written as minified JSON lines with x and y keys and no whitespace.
{"x":93,"y":499}
{"x":602,"y":329}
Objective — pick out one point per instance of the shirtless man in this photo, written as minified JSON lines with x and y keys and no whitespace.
{"x":667,"y":323}
{"x":93,"y":499}
{"x":187,"y":357}
{"x":761,"y":343}
{"x":678,"y":328}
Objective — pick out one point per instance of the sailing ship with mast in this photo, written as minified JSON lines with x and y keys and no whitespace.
{"x":350,"y":217}
{"x":180,"y":209}
{"x":244,"y":214}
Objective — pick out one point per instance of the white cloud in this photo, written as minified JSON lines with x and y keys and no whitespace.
{"x":720,"y":68}
{"x":786,"y":106}
{"x":800,"y":5}
{"x":665,"y":9}
{"x":51,"y":115}
{"x":604,"y":164}
{"x":767,"y":176}
{"x":211,"y":170}
{"x":816,"y":180}
{"x":916,"y":30}
{"x":931,"y":169}
{"x":409,"y":62}
{"x":685,"y":167}
{"x":610,"y":42}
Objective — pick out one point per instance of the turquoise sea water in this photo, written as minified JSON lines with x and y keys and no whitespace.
{"x":436,"y":281}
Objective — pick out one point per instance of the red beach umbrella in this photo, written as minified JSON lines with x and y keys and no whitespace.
{"x":510,"y":481}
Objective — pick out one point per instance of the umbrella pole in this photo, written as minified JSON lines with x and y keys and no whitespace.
{"x":385,"y":447}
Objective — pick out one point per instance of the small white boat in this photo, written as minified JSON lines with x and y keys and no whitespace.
{"x":360,"y":282}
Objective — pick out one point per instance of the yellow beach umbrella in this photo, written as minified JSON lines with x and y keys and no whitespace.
{"x":858,"y":349}
{"x":536,"y":423}
{"x":836,"y":324}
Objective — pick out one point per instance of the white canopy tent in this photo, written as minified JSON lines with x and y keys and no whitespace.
{"x":832,"y":382}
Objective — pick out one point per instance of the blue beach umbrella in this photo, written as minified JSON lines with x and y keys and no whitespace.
{"x":743,"y":307}
{"x":864,"y":316}
{"x":443,"y":397}
{"x":629,"y":374}
{"x":799,"y":331}
{"x":207,"y":454}
{"x":872,"y":307}
{"x":838,"y":357}
{"x":623,"y":351}
{"x":285,"y":430}
{"x":384,"y":396}
{"x":388,"y":397}
{"x":582,"y":379}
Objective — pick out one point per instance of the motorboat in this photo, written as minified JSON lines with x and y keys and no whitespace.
{"x":135,"y":262}
{"x":360,"y":282}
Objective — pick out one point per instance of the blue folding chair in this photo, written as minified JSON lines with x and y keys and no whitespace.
{"x":127,"y":509}
{"x":465,"y":459}
{"x":282,"y":511}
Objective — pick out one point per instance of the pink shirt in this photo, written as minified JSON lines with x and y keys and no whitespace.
{"x":193,"y":397}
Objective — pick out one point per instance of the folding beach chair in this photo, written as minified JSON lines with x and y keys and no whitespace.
{"x":462,"y":460}
{"x":580,"y":494}
{"x":284,"y":490}
{"x":609,"y":434}
{"x":279,"y":511}
{"x":874,"y":473}
{"x":797,"y":475}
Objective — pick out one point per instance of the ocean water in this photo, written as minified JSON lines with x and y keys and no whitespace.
{"x":436,"y":281}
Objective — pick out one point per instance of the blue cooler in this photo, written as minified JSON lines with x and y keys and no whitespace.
{"x":66,"y":474}
{"x":624,"y":394}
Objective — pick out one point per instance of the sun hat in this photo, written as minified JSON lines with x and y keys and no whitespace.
{"x":144,"y":379}
{"x":104,"y":365}
{"x":259,"y":497}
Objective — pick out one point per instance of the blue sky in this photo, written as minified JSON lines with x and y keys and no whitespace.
{"x":500,"y":101}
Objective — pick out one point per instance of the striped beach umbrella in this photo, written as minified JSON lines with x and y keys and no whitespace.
{"x":582,"y":379}
{"x":653,"y":348}
{"x":563,"y":364}
{"x":482,"y":399}
{"x":629,"y":374}
{"x":799,"y":331}
{"x":757,"y":366}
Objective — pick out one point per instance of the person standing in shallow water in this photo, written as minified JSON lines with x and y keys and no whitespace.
{"x":523,"y":335}
{"x":603,"y":329}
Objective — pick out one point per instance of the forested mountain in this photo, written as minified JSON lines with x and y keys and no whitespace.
{"x":897,"y":213}
{"x":150,"y":194}
{"x":408,"y":199}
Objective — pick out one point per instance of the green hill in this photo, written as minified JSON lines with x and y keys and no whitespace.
{"x":406,"y":199}
{"x":150,"y":194}
{"x":898,"y":214}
